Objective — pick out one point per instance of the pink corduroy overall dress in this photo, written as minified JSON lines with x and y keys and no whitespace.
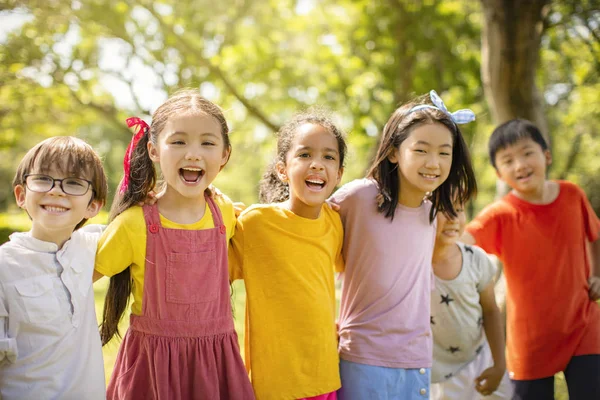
{"x":184,"y":345}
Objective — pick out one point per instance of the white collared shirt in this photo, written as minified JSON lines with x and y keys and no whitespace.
{"x":49,"y":342}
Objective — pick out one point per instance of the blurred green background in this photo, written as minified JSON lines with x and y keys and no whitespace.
{"x":81,"y":67}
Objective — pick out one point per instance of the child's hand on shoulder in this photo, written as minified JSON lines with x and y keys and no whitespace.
{"x":150,"y":199}
{"x":594,"y":290}
{"x":488,"y":381}
{"x":332,"y":205}
{"x":238,"y":207}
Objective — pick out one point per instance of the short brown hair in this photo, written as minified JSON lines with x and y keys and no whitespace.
{"x":69,"y":155}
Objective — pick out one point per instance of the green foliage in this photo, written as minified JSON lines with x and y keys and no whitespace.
{"x":81,"y":68}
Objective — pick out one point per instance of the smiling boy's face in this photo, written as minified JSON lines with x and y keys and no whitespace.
{"x":522,"y":166}
{"x":54,"y":214}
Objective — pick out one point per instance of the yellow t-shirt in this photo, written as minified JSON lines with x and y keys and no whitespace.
{"x":123,"y":243}
{"x":288,"y":265}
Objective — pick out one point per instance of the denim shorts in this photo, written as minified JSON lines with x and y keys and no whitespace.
{"x":362,"y":382}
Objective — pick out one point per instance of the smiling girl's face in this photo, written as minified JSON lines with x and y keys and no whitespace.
{"x":424,"y":159}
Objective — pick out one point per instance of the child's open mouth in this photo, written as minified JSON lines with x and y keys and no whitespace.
{"x":191,"y":175}
{"x":315,"y":183}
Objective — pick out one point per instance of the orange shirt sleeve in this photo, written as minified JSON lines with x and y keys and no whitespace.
{"x":486,"y":228}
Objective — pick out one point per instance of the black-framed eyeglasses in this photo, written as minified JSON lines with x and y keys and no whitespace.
{"x":43,"y":183}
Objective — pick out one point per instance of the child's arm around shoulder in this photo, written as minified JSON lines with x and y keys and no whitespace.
{"x":354,"y":194}
{"x":238,"y":242}
{"x":336,"y":221}
{"x":486,"y":229}
{"x":117,"y":243}
{"x":88,"y":237}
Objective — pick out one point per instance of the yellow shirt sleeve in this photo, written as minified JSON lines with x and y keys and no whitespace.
{"x":116,"y":249}
{"x":123,"y":243}
{"x":236,"y":253}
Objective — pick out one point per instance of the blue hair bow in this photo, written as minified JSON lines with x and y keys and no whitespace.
{"x":463,"y":116}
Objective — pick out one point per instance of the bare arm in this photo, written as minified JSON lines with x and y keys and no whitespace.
{"x":489,"y":379}
{"x":492,"y":324}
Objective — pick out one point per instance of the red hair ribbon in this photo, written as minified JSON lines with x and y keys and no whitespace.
{"x":143,"y":128}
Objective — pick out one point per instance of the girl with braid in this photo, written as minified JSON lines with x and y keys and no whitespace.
{"x":172,"y":255}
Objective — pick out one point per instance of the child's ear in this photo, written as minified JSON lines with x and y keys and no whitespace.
{"x":339,"y":175}
{"x":93,"y":209}
{"x":225,"y":158}
{"x":281,"y":172}
{"x":548,"y":157}
{"x":19,"y":191}
{"x":153,"y":152}
{"x":393,"y":156}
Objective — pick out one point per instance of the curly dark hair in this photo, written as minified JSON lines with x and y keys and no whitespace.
{"x":272,"y":189}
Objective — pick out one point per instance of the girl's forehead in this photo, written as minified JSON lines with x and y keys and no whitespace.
{"x":310,"y":132}
{"x":435,"y":133}
{"x":192,"y":123}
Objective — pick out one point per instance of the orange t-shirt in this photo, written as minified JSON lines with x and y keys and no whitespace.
{"x":543,"y":248}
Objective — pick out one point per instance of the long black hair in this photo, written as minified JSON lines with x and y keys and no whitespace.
{"x":460,"y":185}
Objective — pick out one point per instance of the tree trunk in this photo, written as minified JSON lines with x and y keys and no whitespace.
{"x":511,"y":37}
{"x":510,"y":52}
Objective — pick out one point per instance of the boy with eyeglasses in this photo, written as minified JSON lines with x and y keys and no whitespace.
{"x":49,"y":340}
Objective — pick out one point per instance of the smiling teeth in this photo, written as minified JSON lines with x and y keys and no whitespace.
{"x":317,"y":182}
{"x":192,"y":169}
{"x":429,"y":176}
{"x":55,"y":209}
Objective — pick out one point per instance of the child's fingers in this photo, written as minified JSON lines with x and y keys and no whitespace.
{"x":150,"y":199}
{"x":482,"y":383}
{"x":333,"y":206}
{"x":238,"y":207}
{"x":483,"y":389}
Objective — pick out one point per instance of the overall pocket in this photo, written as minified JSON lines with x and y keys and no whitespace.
{"x":39,"y":300}
{"x":192,"y":277}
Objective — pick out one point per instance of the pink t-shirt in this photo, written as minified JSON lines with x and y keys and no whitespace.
{"x":386,"y":293}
